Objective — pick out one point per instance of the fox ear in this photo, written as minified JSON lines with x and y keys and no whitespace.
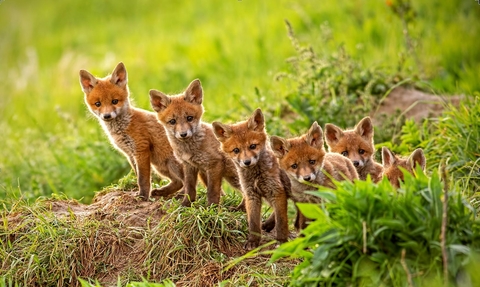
{"x":221,"y":131}
{"x":256,"y":122}
{"x":388,"y":159}
{"x":365,"y":128}
{"x":87,"y":81}
{"x":315,"y":136}
{"x":119,"y":76}
{"x":159,"y":100}
{"x":280,"y":146}
{"x":417,"y":158}
{"x":332,"y":134}
{"x":194,"y":92}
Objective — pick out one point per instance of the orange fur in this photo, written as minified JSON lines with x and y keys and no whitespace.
{"x":194,"y":143}
{"x":260,"y":175}
{"x":135,"y":132}
{"x":392,"y":164}
{"x":356,"y":144}
{"x":308,"y":164}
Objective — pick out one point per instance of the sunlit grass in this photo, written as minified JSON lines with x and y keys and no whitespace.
{"x":50,"y":143}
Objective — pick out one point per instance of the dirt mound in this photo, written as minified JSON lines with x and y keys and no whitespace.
{"x":413,"y":104}
{"x":120,"y":237}
{"x":123,"y":207}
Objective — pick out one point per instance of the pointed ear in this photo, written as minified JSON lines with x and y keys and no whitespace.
{"x":119,"y":76}
{"x":194,"y":92}
{"x":388,"y":159}
{"x":315,"y":136}
{"x":280,"y":146}
{"x":87,"y":81}
{"x":221,"y":131}
{"x":332,"y":134}
{"x":365,"y":128}
{"x":256,"y":122}
{"x":417,"y":158}
{"x":159,"y":100}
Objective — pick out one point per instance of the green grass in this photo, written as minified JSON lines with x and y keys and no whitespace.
{"x":370,"y":235}
{"x":51,"y":145}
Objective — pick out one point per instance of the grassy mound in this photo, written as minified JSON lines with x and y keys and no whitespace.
{"x":119,"y":239}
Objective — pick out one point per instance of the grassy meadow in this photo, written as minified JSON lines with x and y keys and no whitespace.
{"x":333,"y":62}
{"x":52,"y":145}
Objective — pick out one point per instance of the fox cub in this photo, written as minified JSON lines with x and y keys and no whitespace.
{"x":391,"y":164}
{"x":357,"y":145}
{"x":135,"y":132}
{"x":260,"y":175}
{"x":306,"y":162}
{"x":194,"y":143}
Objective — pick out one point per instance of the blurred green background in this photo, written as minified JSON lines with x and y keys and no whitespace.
{"x":49,"y":142}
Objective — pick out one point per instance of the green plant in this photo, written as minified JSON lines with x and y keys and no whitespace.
{"x":366,"y":234}
{"x":334,"y":88}
{"x":455,"y":139}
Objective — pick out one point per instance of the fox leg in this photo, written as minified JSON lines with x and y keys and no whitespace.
{"x":269,"y":224}
{"x":279,"y":203}
{"x":143,"y":174}
{"x":253,"y":204}
{"x":234,"y":181}
{"x":190,"y":184}
{"x":214,"y":184}
{"x":174,"y":171}
{"x":300,"y":220}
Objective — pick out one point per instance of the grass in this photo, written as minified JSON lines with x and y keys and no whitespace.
{"x":371,"y":235}
{"x":51,"y":144}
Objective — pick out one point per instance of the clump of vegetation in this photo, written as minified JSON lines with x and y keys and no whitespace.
{"x":333,"y":88}
{"x":119,"y":238}
{"x":370,"y":235}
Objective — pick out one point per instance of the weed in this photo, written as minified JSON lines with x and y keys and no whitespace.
{"x":372,"y":234}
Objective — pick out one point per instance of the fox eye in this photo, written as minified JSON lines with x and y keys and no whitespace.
{"x":98,"y":104}
{"x":189,"y":118}
{"x":345,"y":153}
{"x":236,"y":150}
{"x":172,"y":121}
{"x":253,"y":146}
{"x":294,"y":166}
{"x":311,"y":161}
{"x":361,"y":151}
{"x":115,"y":101}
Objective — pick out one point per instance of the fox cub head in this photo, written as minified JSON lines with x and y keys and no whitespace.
{"x":180,"y":114}
{"x":356,"y":144}
{"x":106,"y":98}
{"x":301,"y":157}
{"x":244,"y":142}
{"x":391,"y":164}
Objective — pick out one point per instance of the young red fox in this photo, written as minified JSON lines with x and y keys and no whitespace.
{"x":357,"y":145}
{"x":194,"y":143}
{"x":306,"y":162}
{"x":391,"y":164}
{"x":135,"y":132}
{"x":260,"y":176}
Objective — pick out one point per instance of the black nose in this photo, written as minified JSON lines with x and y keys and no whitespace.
{"x":247,"y":162}
{"x":183,"y":135}
{"x":307,"y":178}
{"x":356,"y":163}
{"x":107,"y":116}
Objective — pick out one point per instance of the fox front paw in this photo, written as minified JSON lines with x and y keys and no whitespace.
{"x":162,"y":192}
{"x":251,"y":244}
{"x":186,"y":202}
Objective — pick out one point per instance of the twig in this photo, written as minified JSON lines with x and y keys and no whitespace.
{"x":443,"y":236}
{"x":364,"y":237}
{"x":405,"y":267}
